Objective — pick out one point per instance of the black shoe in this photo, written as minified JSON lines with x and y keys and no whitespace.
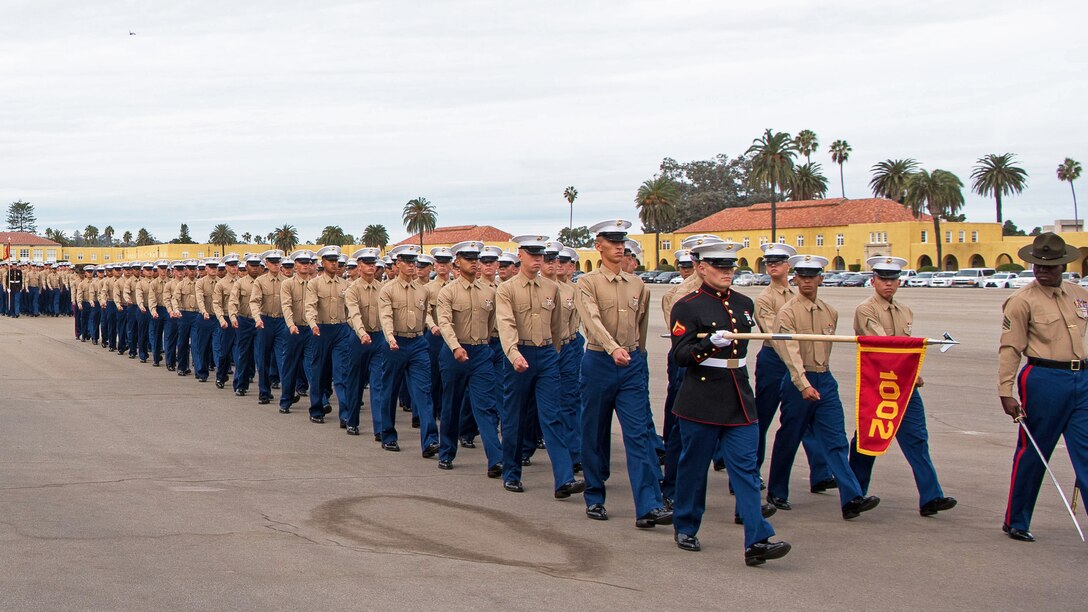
{"x":668,"y":503}
{"x":391,"y":446}
{"x":94,"y":342}
{"x":824,"y":485}
{"x":343,"y":424}
{"x":415,"y":422}
{"x":577,"y":468}
{"x":526,"y":462}
{"x":431,"y":450}
{"x":653,"y":518}
{"x":761,"y":552}
{"x":285,"y":411}
{"x":304,"y":393}
{"x":327,"y":408}
{"x":467,"y":443}
{"x":240,"y":393}
{"x":934,"y":506}
{"x":495,"y":471}
{"x":762,"y":485}
{"x":295,"y":400}
{"x":263,"y":400}
{"x":202,"y":379}
{"x":159,"y":365}
{"x":1020,"y":535}
{"x":778,"y":502}
{"x":143,"y":361}
{"x":377,"y":437}
{"x":318,"y":419}
{"x":540,"y":444}
{"x":767,"y":510}
{"x":353,"y":431}
{"x":514,"y":486}
{"x":275,"y":385}
{"x":170,"y":368}
{"x":220,"y":384}
{"x":182,"y":373}
{"x":686,"y":542}
{"x":571,"y":488}
{"x":404,"y":408}
{"x":660,"y":456}
{"x":445,"y":464}
{"x":853,"y":508}
{"x":719,"y":465}
{"x":132,"y":356}
{"x":597,"y":512}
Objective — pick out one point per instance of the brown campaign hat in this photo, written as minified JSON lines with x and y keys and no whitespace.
{"x":1048,"y":249}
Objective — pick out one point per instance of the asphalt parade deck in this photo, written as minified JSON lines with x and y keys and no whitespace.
{"x":124,"y":486}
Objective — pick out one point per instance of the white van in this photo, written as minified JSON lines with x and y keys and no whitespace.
{"x":971,"y":277}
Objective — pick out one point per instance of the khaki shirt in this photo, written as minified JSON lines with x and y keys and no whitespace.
{"x":568,"y":311}
{"x":1043,"y":322}
{"x":527,"y":312}
{"x":81,"y":292}
{"x":685,"y":287}
{"x":238,"y":304}
{"x":466,"y":312}
{"x":184,"y":295}
{"x":108,"y":284}
{"x":293,"y":301}
{"x":264,"y":297}
{"x":768,"y":304}
{"x":402,"y":309}
{"x":614,"y":309}
{"x":32,"y":277}
{"x":433,"y":288}
{"x":221,"y":295}
{"x":362,"y":302}
{"x":95,"y":292}
{"x":157,"y":294}
{"x":128,"y":290}
{"x":325,"y":300}
{"x":168,"y":295}
{"x":801,"y":316}
{"x":116,"y":287}
{"x":205,"y":295}
{"x":879,"y":317}
{"x":143,"y":292}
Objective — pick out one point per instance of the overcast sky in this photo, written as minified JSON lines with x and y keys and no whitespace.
{"x":258,"y":113}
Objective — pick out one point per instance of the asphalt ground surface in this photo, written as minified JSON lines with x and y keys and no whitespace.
{"x":127,"y":487}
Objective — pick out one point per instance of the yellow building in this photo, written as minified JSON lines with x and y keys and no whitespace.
{"x":25,"y":246}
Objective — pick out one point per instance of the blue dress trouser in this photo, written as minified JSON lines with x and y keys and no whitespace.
{"x":474,"y":378}
{"x":244,"y":336}
{"x":96,"y":322}
{"x":34,"y":292}
{"x":770,"y":371}
{"x":109,"y":325}
{"x":365,"y":370}
{"x":570,"y":394}
{"x":435,"y":346}
{"x":155,"y":331}
{"x":132,"y":328}
{"x":201,"y":342}
{"x":185,"y":335}
{"x":540,"y":382}
{"x":913,"y":439}
{"x":825,"y":417}
{"x":170,"y":341}
{"x":55,"y":309}
{"x":1055,"y":403}
{"x":122,"y":329}
{"x":143,"y":334}
{"x":264,"y":343}
{"x":700,"y":441}
{"x":331,"y":357}
{"x":289,"y":351}
{"x":469,"y":427}
{"x":226,"y":353}
{"x":409,"y":365}
{"x":607,"y":389}
{"x":88,"y":315}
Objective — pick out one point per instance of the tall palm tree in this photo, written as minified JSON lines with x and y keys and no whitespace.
{"x":221,"y":236}
{"x":284,"y":238}
{"x":108,"y":235}
{"x":144,"y":237}
{"x":247,"y":238}
{"x":419,"y":216}
{"x":126,"y":238}
{"x":90,"y":234}
{"x":840,"y":152}
{"x":656,"y":202}
{"x":938,"y":193}
{"x":809,"y":183}
{"x":376,"y":236}
{"x":890,"y":178}
{"x":772,"y":167}
{"x":806,"y":143}
{"x":570,"y":193}
{"x":998,"y":175}
{"x":1069,"y":170}
{"x":332,"y":234}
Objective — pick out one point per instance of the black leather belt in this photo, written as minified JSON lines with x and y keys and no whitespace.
{"x":1072,"y":365}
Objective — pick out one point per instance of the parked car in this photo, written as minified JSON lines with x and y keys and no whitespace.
{"x":1083,"y":282}
{"x":972,"y":277}
{"x":833,"y":280}
{"x":676,"y":280}
{"x":665,"y":277}
{"x":574,"y":277}
{"x":942,"y":279}
{"x":1071,"y":276}
{"x":762,"y":280}
{"x":920,"y":280}
{"x":648,"y":276}
{"x":906,"y":275}
{"x":744,"y":280}
{"x":1001,"y":280}
{"x":1023,"y":279}
{"x":853,"y":279}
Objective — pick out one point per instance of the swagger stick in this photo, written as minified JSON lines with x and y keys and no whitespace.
{"x":1020,"y":421}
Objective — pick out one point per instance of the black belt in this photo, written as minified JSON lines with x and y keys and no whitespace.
{"x":1072,"y":365}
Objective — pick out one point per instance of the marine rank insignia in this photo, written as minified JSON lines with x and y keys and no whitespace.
{"x":678,"y":329}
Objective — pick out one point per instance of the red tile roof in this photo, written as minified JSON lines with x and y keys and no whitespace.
{"x":25,"y":238}
{"x":805,"y":213}
{"x":459,"y":233}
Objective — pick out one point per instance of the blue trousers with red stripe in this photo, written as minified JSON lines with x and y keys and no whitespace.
{"x":1056,"y":404}
{"x":770,"y":371}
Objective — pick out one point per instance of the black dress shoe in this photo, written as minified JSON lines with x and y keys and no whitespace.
{"x":377,"y":437}
{"x":143,"y":361}
{"x":170,"y":368}
{"x":431,"y":450}
{"x":285,"y":411}
{"x":653,"y":518}
{"x":202,"y":379}
{"x":353,"y":431}
{"x":778,"y":502}
{"x":494,"y":471}
{"x":157,"y":365}
{"x":317,"y":419}
{"x":304,"y":393}
{"x":514,"y":486}
{"x":132,"y":356}
{"x":824,"y":485}
{"x":467,"y":443}
{"x":934,"y":506}
{"x":94,"y":342}
{"x":240,"y":392}
{"x":445,"y":464}
{"x":219,"y":384}
{"x":761,"y":552}
{"x":853,"y":508}
{"x":1020,"y":535}
{"x":295,"y":399}
{"x":327,"y":408}
{"x":540,"y":444}
{"x":404,"y":408}
{"x":767,"y":510}
{"x":526,"y":462}
{"x":719,"y":465}
{"x":275,"y":385}
{"x":668,"y":503}
{"x":415,"y":422}
{"x":577,"y":468}
{"x":597,"y":512}
{"x":391,"y":446}
{"x":686,"y":542}
{"x":571,"y":488}
{"x":343,"y":424}
{"x":263,"y":400}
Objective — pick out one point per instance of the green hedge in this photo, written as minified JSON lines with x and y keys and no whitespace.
{"x":665,"y":268}
{"x":1010,"y":267}
{"x":855,"y":267}
{"x":928,"y":269}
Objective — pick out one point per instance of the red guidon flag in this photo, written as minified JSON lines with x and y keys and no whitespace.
{"x":888,"y":367}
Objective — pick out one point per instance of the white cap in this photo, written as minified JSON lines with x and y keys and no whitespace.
{"x":718,"y":254}
{"x":367,"y":254}
{"x":192,"y":263}
{"x":683,"y":257}
{"x":808,"y":265}
{"x":634,"y":247}
{"x":613,"y":230}
{"x":343,"y":259}
{"x":532,"y":244}
{"x":490,"y":252}
{"x":349,"y":263}
{"x":508,"y":258}
{"x":886,"y":267}
{"x":568,"y":254}
{"x":253,"y":258}
{"x":211,"y":261}
{"x":231,"y":258}
{"x":273,"y":254}
{"x":405,"y":251}
{"x":424,"y":260}
{"x":469,"y":249}
{"x":697,"y":239}
{"x":303,"y":256}
{"x":777,"y":251}
{"x":442,"y":254}
{"x":552,"y":249}
{"x":328,"y":251}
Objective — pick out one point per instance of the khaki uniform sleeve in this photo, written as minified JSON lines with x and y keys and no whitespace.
{"x":201,"y":294}
{"x":444,"y":308}
{"x":1014,"y":341}
{"x":591,"y":318}
{"x":385,"y":310}
{"x":644,"y":319}
{"x":233,"y":302}
{"x":867,"y":321}
{"x":309,"y":303}
{"x":217,"y":299}
{"x":287,"y":302}
{"x":790,"y":351}
{"x":505,"y":323}
{"x":256,"y":299}
{"x":765,"y":313}
{"x":355,"y":314}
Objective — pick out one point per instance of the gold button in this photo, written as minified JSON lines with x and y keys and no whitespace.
{"x":702,"y":378}
{"x":714,"y":323}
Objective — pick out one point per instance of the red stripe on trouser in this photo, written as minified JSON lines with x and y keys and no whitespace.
{"x":1021,"y":441}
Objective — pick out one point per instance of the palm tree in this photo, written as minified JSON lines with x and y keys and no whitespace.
{"x":221,"y":236}
{"x":939,"y":193}
{"x":806,"y":144}
{"x":998,"y":175}
{"x":284,"y":238}
{"x":890,"y":178}
{"x":656,"y":202}
{"x":772,"y":166}
{"x":419,"y":216}
{"x":840,"y":152}
{"x":126,"y":238}
{"x":247,"y":238}
{"x":570,"y":193}
{"x":108,"y":235}
{"x":1069,"y":170}
{"x":144,"y":237}
{"x":809,"y":183}
{"x":376,"y":236}
{"x":332,"y":234}
{"x":90,"y":234}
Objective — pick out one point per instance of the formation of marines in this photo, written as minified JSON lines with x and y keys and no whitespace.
{"x":508,"y":347}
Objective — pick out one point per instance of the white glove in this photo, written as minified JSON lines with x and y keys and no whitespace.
{"x":719,"y":339}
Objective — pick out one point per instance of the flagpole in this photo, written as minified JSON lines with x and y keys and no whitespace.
{"x":815,"y":338}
